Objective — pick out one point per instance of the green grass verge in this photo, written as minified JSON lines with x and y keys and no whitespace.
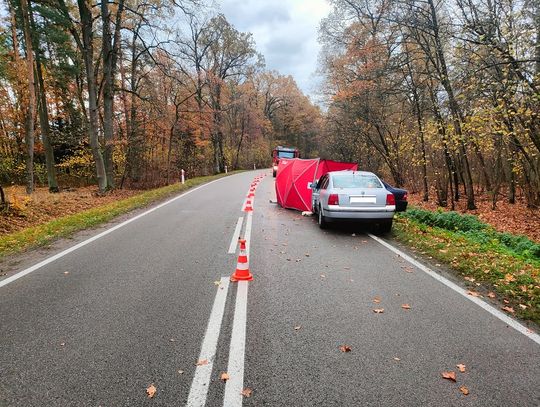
{"x":514,"y":275}
{"x":65,"y":226}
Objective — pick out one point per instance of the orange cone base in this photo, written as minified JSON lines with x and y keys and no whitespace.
{"x":242,"y":275}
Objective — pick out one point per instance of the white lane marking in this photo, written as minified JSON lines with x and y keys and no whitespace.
{"x":201,"y":380}
{"x":249,"y":221}
{"x":236,"y":234}
{"x":493,"y":311}
{"x":235,"y":369}
{"x":96,"y":237}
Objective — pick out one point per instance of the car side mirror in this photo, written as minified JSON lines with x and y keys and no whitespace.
{"x":312,"y":185}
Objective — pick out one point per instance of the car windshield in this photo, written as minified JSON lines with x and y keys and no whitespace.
{"x":356,"y":181}
{"x":286,"y":154}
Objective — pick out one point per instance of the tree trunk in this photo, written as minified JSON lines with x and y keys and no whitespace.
{"x":44,"y":120}
{"x":108,"y":102}
{"x":88,"y":52}
{"x":454,"y":109}
{"x":31,"y":109}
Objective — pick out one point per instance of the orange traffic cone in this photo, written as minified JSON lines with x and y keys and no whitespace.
{"x":248,"y":207}
{"x":242,"y":267}
{"x":251,"y":194}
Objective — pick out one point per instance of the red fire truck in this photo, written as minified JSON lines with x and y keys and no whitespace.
{"x":282,"y":152}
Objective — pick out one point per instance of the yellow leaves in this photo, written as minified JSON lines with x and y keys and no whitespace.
{"x":246,"y":392}
{"x":345,"y":348}
{"x":464,"y":390}
{"x":508,"y":309}
{"x":202,"y":362}
{"x":461,"y":367}
{"x":449,"y":376}
{"x":406,"y":306}
{"x":151,"y":391}
{"x":224,"y":376}
{"x":508,"y":278}
{"x":378,"y":310}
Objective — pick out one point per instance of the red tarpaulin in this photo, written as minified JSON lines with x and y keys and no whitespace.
{"x":294,"y":176}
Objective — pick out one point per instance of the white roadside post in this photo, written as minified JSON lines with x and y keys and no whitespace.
{"x":225,"y":169}
{"x":183,"y":176}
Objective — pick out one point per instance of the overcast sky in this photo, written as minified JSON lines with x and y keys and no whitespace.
{"x":285,"y":31}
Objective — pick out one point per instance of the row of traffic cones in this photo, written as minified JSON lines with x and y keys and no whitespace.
{"x":242,"y":272}
{"x":248,"y":207}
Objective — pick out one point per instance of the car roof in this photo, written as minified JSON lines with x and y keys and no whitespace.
{"x":350,"y":171}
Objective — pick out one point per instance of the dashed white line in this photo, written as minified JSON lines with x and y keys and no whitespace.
{"x":57,"y":256}
{"x":236,"y":234}
{"x":235,"y":369}
{"x":201,"y":380}
{"x":493,"y":311}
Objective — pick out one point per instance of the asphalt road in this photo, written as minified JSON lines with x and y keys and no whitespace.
{"x":101,"y":324}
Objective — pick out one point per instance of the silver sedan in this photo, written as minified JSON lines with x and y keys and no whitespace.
{"x":353,"y":195}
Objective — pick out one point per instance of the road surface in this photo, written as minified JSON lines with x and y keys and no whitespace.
{"x":149,"y":303}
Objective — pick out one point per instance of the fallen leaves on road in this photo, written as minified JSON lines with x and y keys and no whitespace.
{"x":345,"y":348}
{"x":378,"y":310}
{"x":461,"y":367}
{"x":405,"y":306}
{"x":202,"y":362}
{"x":180,"y":372}
{"x":217,"y":282}
{"x":464,"y":390}
{"x":224,"y":376}
{"x":66,"y":272}
{"x":376,"y":300}
{"x":491,"y":294}
{"x":508,"y":309}
{"x":151,"y":391}
{"x":323,"y":276}
{"x":473,"y":293}
{"x":347,"y":268}
{"x":449,"y":376}
{"x":407,"y":269}
{"x":246,"y":392}
{"x":296,"y":328}
{"x":397,"y":359}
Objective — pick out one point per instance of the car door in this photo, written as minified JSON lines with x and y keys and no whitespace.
{"x":322,"y":198}
{"x":315,"y":195}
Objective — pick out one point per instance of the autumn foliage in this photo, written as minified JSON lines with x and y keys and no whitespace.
{"x":126,"y":94}
{"x":439,"y":96}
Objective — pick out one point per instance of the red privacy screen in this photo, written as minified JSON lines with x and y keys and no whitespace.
{"x":294,"y":176}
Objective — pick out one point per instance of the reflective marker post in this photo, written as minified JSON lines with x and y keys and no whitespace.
{"x":183,"y":177}
{"x":225,"y":169}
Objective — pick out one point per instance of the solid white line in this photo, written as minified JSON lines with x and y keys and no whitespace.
{"x":93,"y":238}
{"x":236,"y":234}
{"x":235,"y":369}
{"x":201,"y":380}
{"x":493,"y":311}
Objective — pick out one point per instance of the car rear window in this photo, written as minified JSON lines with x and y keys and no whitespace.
{"x":356,"y":181}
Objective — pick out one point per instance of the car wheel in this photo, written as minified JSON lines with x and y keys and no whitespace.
{"x":274,"y":173}
{"x":386,"y":226}
{"x":321,"y":219}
